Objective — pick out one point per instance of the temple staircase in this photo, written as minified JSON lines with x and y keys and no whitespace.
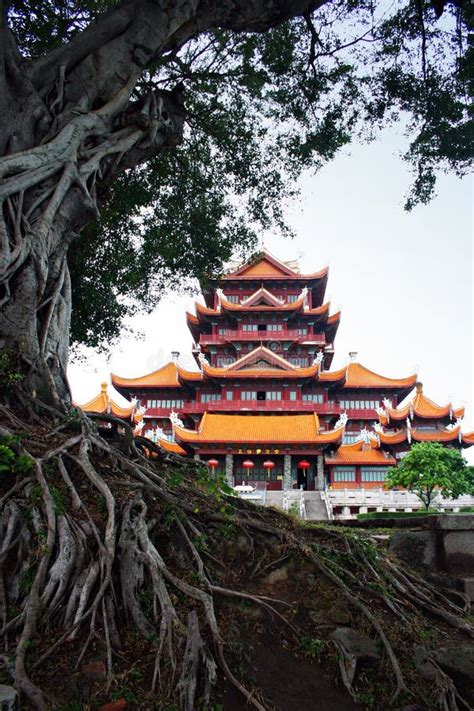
{"x":308,"y":505}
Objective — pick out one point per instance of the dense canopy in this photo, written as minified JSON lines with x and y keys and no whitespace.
{"x":260,"y":109}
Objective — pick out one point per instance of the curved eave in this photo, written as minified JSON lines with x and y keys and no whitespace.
{"x":164,"y":377}
{"x":98,"y":404}
{"x":369,"y":457}
{"x":336,"y":376}
{"x":459,"y":412}
{"x":435,"y":435}
{"x":294,"y":374}
{"x":172,"y":447}
{"x":289,"y":276}
{"x":392,"y":438}
{"x":468,"y":439}
{"x":358,"y":376}
{"x":191,"y":376}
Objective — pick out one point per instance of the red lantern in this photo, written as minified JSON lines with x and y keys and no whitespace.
{"x":248,"y":465}
{"x":304,"y":464}
{"x":268,"y":465}
{"x":212,"y":463}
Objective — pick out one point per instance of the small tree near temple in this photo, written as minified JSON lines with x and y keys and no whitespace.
{"x":429,"y":469}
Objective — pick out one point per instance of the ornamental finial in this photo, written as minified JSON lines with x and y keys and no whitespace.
{"x":419,"y":388}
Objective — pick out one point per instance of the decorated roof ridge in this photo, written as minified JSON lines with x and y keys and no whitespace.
{"x":261,"y":293}
{"x":413,"y":434}
{"x":419,"y":406}
{"x":263,"y":429}
{"x":275,"y":268}
{"x":229,"y":306}
{"x":103,"y":403}
{"x":266,"y":354}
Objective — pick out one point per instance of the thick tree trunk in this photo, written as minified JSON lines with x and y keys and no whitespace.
{"x":68,"y":125}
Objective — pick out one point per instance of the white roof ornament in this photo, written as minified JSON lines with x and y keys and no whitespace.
{"x":342,"y":421}
{"x":138,"y":427}
{"x":387,"y":403}
{"x":220,"y":295}
{"x":202,"y":359}
{"x":304,"y":294}
{"x":408,"y":423}
{"x":378,"y":427}
{"x":175,"y":419}
{"x":364,"y":433}
{"x":319,"y":358}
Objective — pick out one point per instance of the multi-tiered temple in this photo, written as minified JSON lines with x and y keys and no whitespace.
{"x":264,"y":404}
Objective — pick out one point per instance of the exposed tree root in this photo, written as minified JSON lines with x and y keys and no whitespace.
{"x":96,"y":540}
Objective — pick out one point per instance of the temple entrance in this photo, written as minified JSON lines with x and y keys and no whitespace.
{"x":302,"y":479}
{"x":259,"y":476}
{"x":261,"y":395}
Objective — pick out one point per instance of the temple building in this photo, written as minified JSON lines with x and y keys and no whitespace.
{"x":264,"y":404}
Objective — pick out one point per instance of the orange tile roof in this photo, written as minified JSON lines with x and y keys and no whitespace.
{"x":172,"y":447}
{"x":229,"y":306}
{"x":468,"y":439}
{"x":334,"y":318}
{"x":293,"y":373}
{"x":348,"y":454}
{"x":435,"y":435}
{"x":392,"y":437}
{"x":102,"y":403}
{"x":285,"y":429}
{"x":332,"y":376}
{"x":164,"y":377}
{"x":269,"y":267}
{"x":357,"y":376}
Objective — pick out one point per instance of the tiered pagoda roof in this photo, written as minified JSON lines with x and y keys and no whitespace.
{"x":429,"y":423}
{"x":420,"y":407}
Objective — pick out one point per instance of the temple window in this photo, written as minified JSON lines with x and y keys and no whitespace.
{"x":164,"y":403}
{"x":313,"y":397}
{"x":350,"y":437}
{"x":298,"y":361}
{"x":359,"y":404}
{"x":293,"y":395}
{"x":291,"y":298}
{"x":225,"y":360}
{"x":373,"y":474}
{"x":302,"y":331}
{"x":248,"y":395}
{"x":233,"y":298}
{"x":344,"y":474}
{"x":210,"y":397}
{"x":249,"y":327}
{"x":229,"y":395}
{"x":273,"y":395}
{"x":274,"y":327}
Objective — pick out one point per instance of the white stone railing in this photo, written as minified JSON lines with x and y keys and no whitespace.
{"x":327,"y":504}
{"x":383,"y":500}
{"x":302,"y":505}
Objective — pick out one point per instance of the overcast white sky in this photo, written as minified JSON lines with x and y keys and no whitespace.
{"x":404,"y":281}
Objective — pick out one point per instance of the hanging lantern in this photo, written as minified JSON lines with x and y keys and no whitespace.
{"x":212,"y":463}
{"x":304,"y":464}
{"x":248,"y":465}
{"x":268,"y":465}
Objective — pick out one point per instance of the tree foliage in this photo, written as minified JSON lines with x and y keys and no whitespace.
{"x":261,"y":108}
{"x":428,"y":469}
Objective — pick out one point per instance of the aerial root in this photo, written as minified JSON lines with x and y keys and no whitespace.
{"x":99,"y":558}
